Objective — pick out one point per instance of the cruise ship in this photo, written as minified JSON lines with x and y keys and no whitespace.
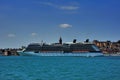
{"x":62,"y":49}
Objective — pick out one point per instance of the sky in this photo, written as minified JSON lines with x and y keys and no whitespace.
{"x":28,"y":21}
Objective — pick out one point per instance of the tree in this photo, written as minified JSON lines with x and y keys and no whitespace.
{"x":108,"y":42}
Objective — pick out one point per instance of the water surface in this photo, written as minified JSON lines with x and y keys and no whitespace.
{"x":59,"y":68}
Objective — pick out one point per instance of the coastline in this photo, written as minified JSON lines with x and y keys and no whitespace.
{"x":112,"y":54}
{"x":14,"y":52}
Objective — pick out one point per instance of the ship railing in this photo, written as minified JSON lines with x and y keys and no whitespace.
{"x":81,"y":51}
{"x":51,"y":51}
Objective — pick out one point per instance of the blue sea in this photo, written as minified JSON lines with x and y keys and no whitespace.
{"x":59,"y":68}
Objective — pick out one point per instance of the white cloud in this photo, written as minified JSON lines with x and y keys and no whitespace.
{"x":65,"y":25}
{"x":11,"y":35}
{"x":33,"y":34}
{"x":48,"y":4}
{"x":69,"y":7}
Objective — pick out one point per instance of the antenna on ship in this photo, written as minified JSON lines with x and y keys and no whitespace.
{"x":41,"y":42}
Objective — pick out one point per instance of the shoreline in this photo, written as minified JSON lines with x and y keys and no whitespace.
{"x":111,"y":54}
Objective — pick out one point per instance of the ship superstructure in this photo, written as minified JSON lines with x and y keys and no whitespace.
{"x":61,"y":49}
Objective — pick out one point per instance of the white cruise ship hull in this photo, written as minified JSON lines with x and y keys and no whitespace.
{"x":86,"y":54}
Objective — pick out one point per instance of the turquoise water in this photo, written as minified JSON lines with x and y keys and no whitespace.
{"x":59,"y":68}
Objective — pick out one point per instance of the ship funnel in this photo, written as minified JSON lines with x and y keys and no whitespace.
{"x":74,"y":40}
{"x":87,"y":40}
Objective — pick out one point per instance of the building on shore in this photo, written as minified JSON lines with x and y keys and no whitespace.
{"x":108,"y":46}
{"x":9,"y":52}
